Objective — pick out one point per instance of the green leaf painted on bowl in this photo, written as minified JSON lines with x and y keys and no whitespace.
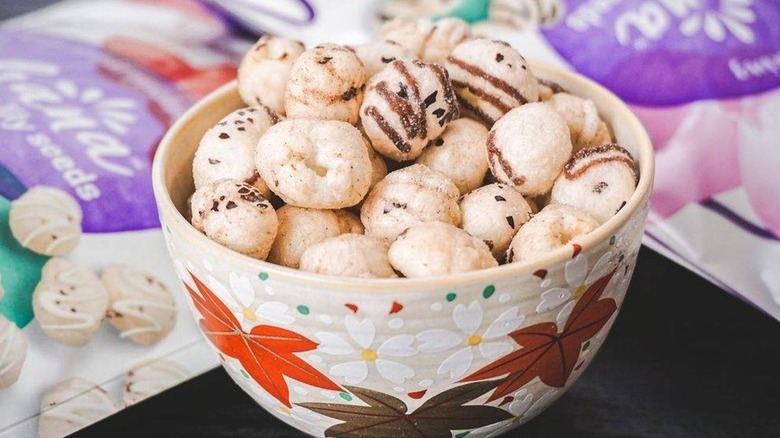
{"x":262,"y":276}
{"x":303,"y":310}
{"x":450,"y":297}
{"x":489,"y":291}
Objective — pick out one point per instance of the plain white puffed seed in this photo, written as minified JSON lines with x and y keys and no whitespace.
{"x":265,"y":70}
{"x":300,"y":228}
{"x":438,"y":248}
{"x":349,"y":222}
{"x":555,"y":226}
{"x":315,"y":163}
{"x":460,"y":154}
{"x":585,"y":126}
{"x":349,"y":255}
{"x":326,"y":83}
{"x":424,"y":39}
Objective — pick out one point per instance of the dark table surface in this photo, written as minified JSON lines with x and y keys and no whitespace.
{"x":684,"y":359}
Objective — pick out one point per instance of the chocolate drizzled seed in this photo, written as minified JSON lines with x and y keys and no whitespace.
{"x":500,"y":198}
{"x":325,"y":60}
{"x":493,"y":80}
{"x":215,"y":206}
{"x":241,"y":128}
{"x":223,"y":136}
{"x":489,"y":244}
{"x":439,"y":113}
{"x":439,"y":141}
{"x":388,"y":60}
{"x":499,"y":57}
{"x":486,"y":119}
{"x":231,"y":205}
{"x":483,"y":94}
{"x":496,"y":159}
{"x":239,"y":122}
{"x":571,"y":172}
{"x":214,"y":161}
{"x":222,"y":123}
{"x":240,"y":113}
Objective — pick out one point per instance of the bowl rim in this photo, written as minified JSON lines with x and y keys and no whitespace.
{"x":170,"y":215}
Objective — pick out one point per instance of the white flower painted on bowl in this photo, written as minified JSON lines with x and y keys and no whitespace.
{"x":469,"y":321}
{"x":524,"y":406}
{"x":733,"y":16}
{"x":577,"y":278}
{"x":361,"y":348}
{"x":247,"y":307}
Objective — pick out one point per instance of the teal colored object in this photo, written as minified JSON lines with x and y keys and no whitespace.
{"x":21,"y":271}
{"x":471,"y":11}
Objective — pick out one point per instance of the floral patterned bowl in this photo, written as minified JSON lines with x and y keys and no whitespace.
{"x":472,"y":354}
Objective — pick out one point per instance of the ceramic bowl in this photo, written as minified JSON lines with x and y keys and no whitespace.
{"x":471,"y":354}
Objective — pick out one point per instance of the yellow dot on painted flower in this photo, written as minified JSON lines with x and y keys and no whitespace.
{"x":580,"y":291}
{"x":474,"y":340}
{"x":249,"y":314}
{"x":285,"y":410}
{"x":368,"y":355}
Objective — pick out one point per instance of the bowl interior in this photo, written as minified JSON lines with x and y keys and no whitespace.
{"x":174,"y":183}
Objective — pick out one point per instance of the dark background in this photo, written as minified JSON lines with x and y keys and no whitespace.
{"x":684,"y":359}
